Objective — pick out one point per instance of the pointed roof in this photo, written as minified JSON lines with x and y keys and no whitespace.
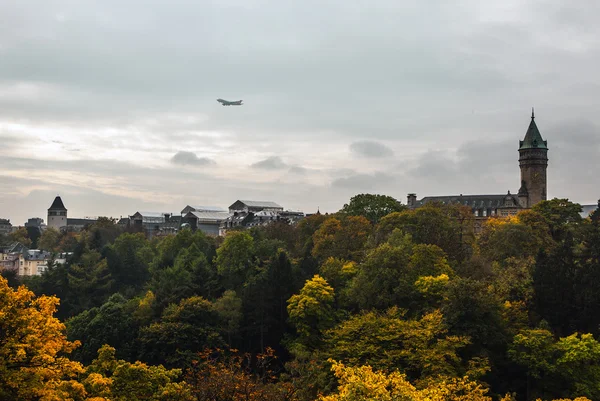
{"x":57,"y":204}
{"x":533,"y":139}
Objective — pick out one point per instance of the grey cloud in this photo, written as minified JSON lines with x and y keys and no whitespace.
{"x":298,"y":170}
{"x":270,"y":163}
{"x":190,"y":158}
{"x":362,"y":182}
{"x":371,"y":149}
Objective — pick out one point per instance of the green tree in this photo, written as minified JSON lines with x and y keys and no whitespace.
{"x":235,"y":259}
{"x":118,"y":380}
{"x":569,"y":367}
{"x":49,"y":240}
{"x":311,"y":311}
{"x":128,"y":262}
{"x":183,"y":330}
{"x":373,"y":207}
{"x":420,"y":348}
{"x":560,"y":215}
{"x":229,"y":308}
{"x":112,"y":323}
{"x":341,"y":238}
{"x":20,"y":235}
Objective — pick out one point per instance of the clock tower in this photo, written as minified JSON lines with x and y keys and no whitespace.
{"x":533,"y":160}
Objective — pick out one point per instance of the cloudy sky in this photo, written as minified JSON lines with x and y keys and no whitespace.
{"x":111,"y":103}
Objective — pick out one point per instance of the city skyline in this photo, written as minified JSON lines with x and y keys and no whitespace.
{"x":112,"y":105}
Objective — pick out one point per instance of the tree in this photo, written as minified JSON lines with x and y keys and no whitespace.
{"x":128,"y":262}
{"x":183,"y":330}
{"x":567,"y":367}
{"x":49,"y":240}
{"x":229,"y":308}
{"x":341,"y":238}
{"x":420,"y":348}
{"x":111,"y":324}
{"x":363,"y":383}
{"x":560,"y":215}
{"x":233,"y":376}
{"x":311,"y":311}
{"x":446,"y":226}
{"x":388,"y":275}
{"x":373,"y":207}
{"x":119,"y":380}
{"x":33,"y":345}
{"x":235,"y":259}
{"x":20,"y":235}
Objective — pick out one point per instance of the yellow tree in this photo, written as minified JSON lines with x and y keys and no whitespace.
{"x":33,"y":345}
{"x":364,"y":384}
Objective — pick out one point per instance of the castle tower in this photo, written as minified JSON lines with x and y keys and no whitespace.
{"x":57,"y":214}
{"x":533,"y":160}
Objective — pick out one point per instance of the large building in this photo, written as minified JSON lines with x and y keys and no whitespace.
{"x":533,"y":162}
{"x":57,"y":218}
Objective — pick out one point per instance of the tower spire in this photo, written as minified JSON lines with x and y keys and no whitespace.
{"x":532,"y":114}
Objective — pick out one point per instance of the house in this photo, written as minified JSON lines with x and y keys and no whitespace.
{"x":34,"y":262}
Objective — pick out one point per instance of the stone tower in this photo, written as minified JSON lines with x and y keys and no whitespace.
{"x":57,"y":214}
{"x":533,"y":160}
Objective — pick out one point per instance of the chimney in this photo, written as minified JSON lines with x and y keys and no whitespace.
{"x":411,"y":200}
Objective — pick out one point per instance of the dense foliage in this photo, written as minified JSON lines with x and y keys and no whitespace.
{"x":376,"y":302}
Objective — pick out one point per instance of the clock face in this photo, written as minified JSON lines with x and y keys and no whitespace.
{"x":536,"y":178}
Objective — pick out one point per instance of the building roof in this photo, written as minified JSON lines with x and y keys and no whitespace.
{"x":36,"y":254}
{"x":191,"y":208}
{"x":533,"y":139}
{"x":80,"y":222}
{"x":57,"y":204}
{"x":474,"y":201}
{"x":264,"y":204}
{"x":15,"y":247}
{"x":203,"y":216}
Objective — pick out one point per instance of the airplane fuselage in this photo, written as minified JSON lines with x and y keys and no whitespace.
{"x":229,"y":103}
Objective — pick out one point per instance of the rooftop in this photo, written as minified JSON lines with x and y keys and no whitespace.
{"x":57,"y":204}
{"x":533,"y":139}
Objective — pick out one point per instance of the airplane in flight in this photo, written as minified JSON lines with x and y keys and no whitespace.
{"x":228,"y":103}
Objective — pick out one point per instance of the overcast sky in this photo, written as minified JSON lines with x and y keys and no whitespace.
{"x":112,"y":103}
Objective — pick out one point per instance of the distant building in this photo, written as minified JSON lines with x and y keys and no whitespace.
{"x":189,"y":208}
{"x":208,"y":222}
{"x":57,"y":214}
{"x":254,"y":206}
{"x":5,"y":226}
{"x":9,"y":256}
{"x":34,"y":262}
{"x":533,"y":162}
{"x":36,"y":222}
{"x":155,"y":224}
{"x":246,"y":214}
{"x":78,"y":224}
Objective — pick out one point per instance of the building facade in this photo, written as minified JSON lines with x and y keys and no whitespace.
{"x":533,"y":163}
